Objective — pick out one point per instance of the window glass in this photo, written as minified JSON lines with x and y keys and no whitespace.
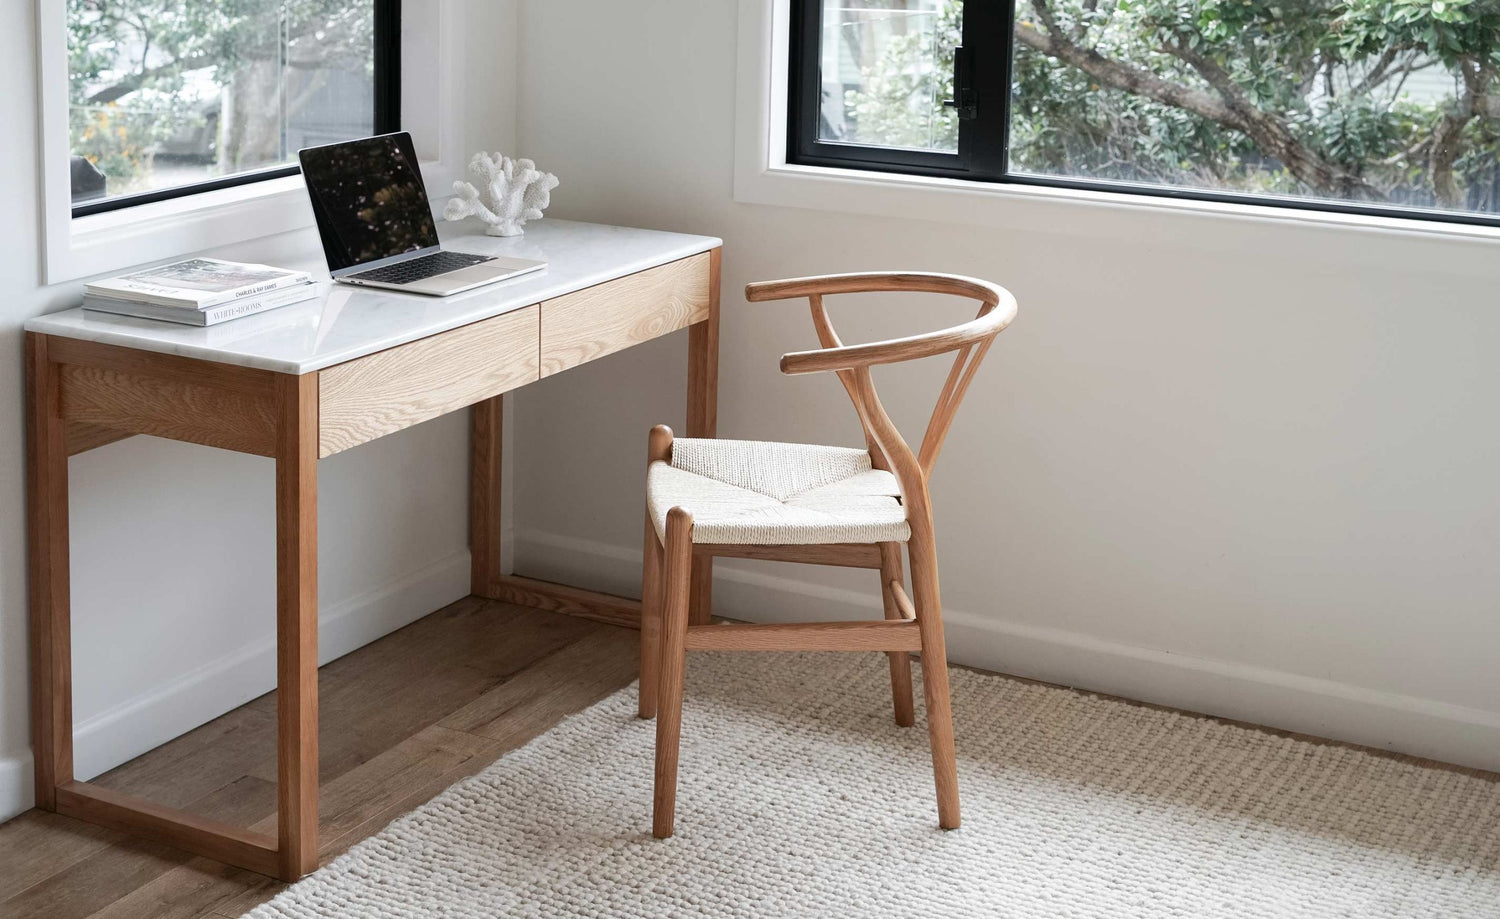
{"x":887,"y":68}
{"x":168,"y":93}
{"x":1384,"y":106}
{"x":1372,"y":101}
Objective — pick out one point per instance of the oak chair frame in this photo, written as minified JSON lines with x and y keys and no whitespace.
{"x":671,"y":624}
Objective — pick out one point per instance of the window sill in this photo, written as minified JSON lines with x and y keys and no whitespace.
{"x":1044,"y":209}
{"x":434,"y":47}
{"x":144,"y":233}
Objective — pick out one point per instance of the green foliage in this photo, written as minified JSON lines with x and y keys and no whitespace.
{"x":1387,"y":99}
{"x":1065,"y":123}
{"x":900,"y":98}
{"x":1452,"y":31}
{"x":1338,"y":74}
{"x":140,"y":72}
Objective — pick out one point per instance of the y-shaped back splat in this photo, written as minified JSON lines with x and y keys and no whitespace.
{"x":830,"y":339}
{"x":852,"y":363}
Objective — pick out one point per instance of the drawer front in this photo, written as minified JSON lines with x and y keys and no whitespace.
{"x":606,"y":318}
{"x":381,"y":393}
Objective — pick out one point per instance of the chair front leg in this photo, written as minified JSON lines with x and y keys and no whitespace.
{"x":651,"y":595}
{"x":676,"y":586}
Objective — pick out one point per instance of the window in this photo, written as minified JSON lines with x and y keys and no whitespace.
{"x":1373,"y":106}
{"x":168,"y":98}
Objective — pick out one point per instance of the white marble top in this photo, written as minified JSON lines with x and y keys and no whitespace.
{"x":345,"y":322}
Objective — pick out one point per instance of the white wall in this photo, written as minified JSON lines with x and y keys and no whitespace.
{"x":173,"y":577}
{"x":1232,"y":467}
{"x":1236,"y":467}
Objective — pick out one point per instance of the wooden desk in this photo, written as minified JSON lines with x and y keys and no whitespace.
{"x":308,"y":381}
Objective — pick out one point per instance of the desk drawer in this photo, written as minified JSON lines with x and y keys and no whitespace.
{"x":606,"y":318}
{"x":384,"y":392}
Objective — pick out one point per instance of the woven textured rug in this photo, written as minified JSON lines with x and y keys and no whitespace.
{"x":800,"y":797}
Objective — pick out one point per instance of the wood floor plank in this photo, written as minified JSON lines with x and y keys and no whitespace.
{"x":246,"y":900}
{"x":383,"y":755}
{"x":39,"y":844}
{"x":346,"y":816}
{"x":441,"y":664}
{"x":518,"y":710}
{"x":556,"y":686}
{"x":183,"y":891}
{"x":243,"y":741}
{"x":95,"y":882}
{"x":368,"y":797}
{"x":364,"y":800}
{"x":206,"y":758}
{"x":129,"y":864}
{"x":371,"y":700}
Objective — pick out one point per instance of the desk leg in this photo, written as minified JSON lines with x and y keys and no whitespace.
{"x":47,"y":535}
{"x":703,"y":421}
{"x":297,"y":625}
{"x":484,"y":494}
{"x":485,"y":445}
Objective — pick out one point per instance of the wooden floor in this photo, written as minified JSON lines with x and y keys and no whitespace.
{"x":402,"y":719}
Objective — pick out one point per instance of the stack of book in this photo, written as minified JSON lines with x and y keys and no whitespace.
{"x":199,"y":291}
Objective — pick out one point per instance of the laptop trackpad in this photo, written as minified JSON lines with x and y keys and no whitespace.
{"x":494,"y":270}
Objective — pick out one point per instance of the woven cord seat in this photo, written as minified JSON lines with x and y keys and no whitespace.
{"x":815,"y":505}
{"x":760,"y":493}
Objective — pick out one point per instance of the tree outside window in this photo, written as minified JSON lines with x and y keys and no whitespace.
{"x":1372,"y":102}
{"x":164,"y":94}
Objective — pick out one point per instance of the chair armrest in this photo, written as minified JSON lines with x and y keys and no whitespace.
{"x":874,"y":282}
{"x":989,"y":323}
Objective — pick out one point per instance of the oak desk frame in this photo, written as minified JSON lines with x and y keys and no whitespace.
{"x":82,"y":395}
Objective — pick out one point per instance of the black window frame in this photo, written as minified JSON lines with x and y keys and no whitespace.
{"x":387,"y":112}
{"x":983,"y":141}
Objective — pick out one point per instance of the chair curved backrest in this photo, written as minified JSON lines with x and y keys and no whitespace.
{"x":852,"y":363}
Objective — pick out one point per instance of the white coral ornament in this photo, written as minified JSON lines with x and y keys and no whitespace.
{"x":515,"y":191}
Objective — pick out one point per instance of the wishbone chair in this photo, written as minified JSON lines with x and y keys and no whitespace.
{"x":812,"y":504}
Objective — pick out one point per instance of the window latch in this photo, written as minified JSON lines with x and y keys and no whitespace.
{"x":965,"y":100}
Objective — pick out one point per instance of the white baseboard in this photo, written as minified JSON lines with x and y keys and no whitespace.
{"x":136,"y":725}
{"x":1375,"y":718}
{"x":15,"y":784}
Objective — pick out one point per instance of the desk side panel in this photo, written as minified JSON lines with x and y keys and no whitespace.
{"x":380,"y":394}
{"x":609,"y":317}
{"x":150,"y":403}
{"x":83,"y":437}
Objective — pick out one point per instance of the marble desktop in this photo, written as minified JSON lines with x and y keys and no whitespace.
{"x":343,"y":322}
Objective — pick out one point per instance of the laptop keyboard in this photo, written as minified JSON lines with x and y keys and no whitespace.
{"x":417,"y":269}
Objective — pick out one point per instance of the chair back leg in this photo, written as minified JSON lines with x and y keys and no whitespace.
{"x":935,"y":680}
{"x":651,"y":612}
{"x":676,"y":588}
{"x":891,"y":569}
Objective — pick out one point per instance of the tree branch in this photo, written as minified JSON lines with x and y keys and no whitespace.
{"x":1446,"y":137}
{"x":1378,"y":74}
{"x":1227,"y":105}
{"x":138,"y":79}
{"x":1272,"y":135}
{"x":1123,"y":76}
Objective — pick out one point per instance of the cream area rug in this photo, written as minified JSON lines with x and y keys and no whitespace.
{"x":799,"y":796}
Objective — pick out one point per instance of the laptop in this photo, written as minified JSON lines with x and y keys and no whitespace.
{"x":377,"y":225}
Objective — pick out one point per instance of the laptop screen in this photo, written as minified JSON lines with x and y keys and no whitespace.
{"x":369,"y":199}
